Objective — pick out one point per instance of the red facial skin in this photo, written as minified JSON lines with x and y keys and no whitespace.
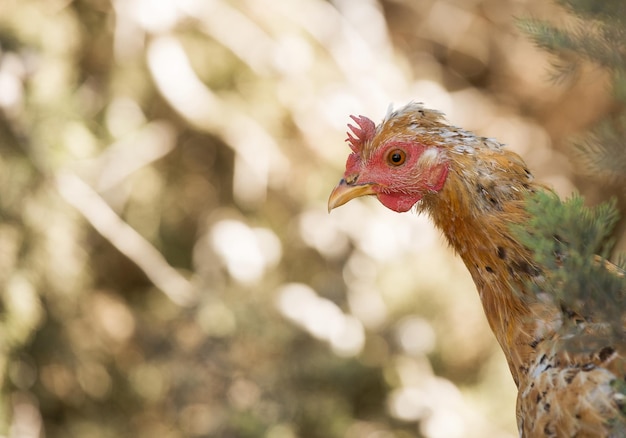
{"x":398,"y":186}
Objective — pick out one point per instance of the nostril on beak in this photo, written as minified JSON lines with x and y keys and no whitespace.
{"x":350,"y":180}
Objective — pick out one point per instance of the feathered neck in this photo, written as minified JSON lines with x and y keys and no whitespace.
{"x":484,"y":195}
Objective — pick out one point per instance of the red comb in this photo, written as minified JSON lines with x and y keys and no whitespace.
{"x":362,"y":133}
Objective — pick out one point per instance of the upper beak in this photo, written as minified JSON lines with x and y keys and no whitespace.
{"x":345,"y":192}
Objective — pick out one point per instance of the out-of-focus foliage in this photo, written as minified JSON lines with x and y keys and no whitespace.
{"x":167,"y":264}
{"x":596,"y":33}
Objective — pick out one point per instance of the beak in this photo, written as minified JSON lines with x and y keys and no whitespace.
{"x":345,"y":192}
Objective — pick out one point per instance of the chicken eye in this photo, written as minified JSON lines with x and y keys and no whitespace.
{"x":396,"y":157}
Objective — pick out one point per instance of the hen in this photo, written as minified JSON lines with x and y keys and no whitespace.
{"x":569,"y":369}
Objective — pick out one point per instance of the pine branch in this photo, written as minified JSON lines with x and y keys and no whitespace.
{"x":611,"y":10}
{"x":599,"y":37}
{"x":596,"y":42}
{"x":601,"y":152}
{"x":566,"y":238}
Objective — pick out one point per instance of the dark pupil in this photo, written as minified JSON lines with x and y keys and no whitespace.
{"x":396,"y":157}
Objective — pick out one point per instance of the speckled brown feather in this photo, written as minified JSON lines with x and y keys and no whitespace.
{"x":562,"y":393}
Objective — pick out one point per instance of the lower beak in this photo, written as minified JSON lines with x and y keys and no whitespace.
{"x":344,"y":193}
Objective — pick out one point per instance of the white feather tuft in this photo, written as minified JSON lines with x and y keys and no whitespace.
{"x":429,"y":157}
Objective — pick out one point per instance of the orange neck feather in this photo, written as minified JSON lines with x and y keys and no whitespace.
{"x":480,"y":200}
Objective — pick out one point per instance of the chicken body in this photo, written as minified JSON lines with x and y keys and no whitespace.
{"x":474,"y":191}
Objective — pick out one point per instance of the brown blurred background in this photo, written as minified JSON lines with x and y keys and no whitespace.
{"x":167,"y":265}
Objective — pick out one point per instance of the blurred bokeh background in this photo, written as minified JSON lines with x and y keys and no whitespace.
{"x":167,"y":264}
